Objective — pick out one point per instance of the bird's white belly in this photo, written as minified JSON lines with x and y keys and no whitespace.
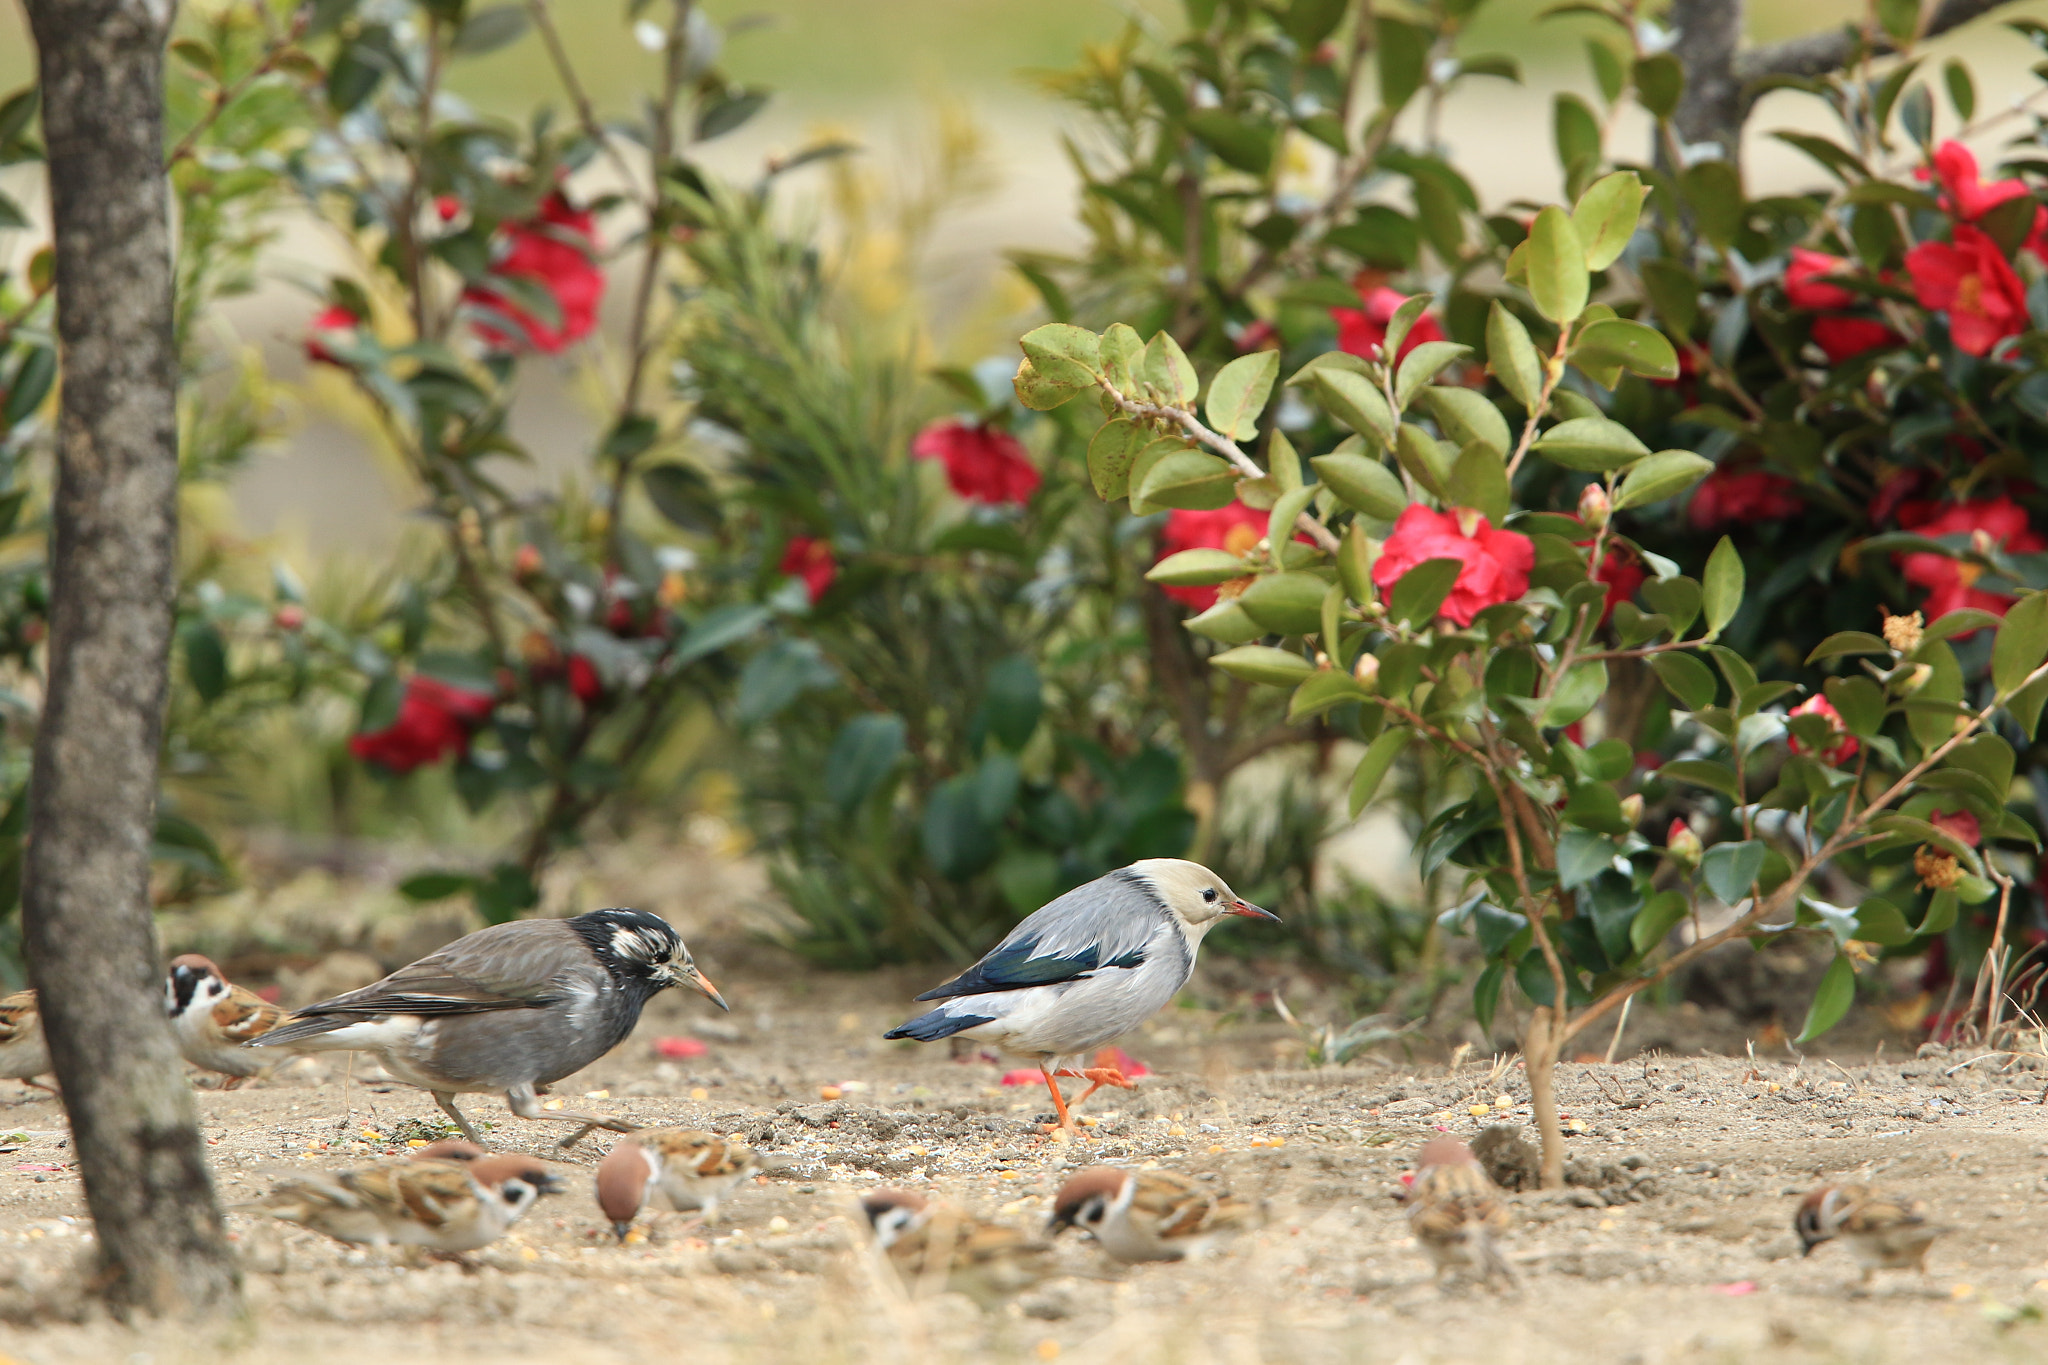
{"x":1074,"y":1018}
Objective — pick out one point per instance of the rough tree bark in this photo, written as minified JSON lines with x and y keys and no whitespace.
{"x":85,"y":887}
{"x":1720,"y":77}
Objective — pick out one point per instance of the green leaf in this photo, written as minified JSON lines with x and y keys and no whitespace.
{"x":1860,"y":703}
{"x":1674,"y":294}
{"x":1287,"y":510}
{"x":1188,"y":479}
{"x":1688,"y":680}
{"x":1363,"y":484}
{"x":1422,"y":365}
{"x":1576,"y":131}
{"x":1486,"y":995}
{"x":1605,"y":217}
{"x":1037,"y":392}
{"x":1731,"y":869}
{"x":1423,"y":458}
{"x":1466,"y":416}
{"x":1577,"y":693}
{"x":1713,"y":190}
{"x":1666,"y":911}
{"x":1617,"y":341}
{"x":1354,"y":402}
{"x":1941,"y":914}
{"x":1286,"y":603}
{"x":504,"y":893}
{"x":1418,"y":593}
{"x":1837,"y":992}
{"x":1594,"y":444}
{"x":1400,"y":323}
{"x":1511,"y":357}
{"x":1372,"y":769}
{"x":1699,"y":772}
{"x":683,"y":496}
{"x":206,"y":659}
{"x":776,"y":676}
{"x":1479,"y":480}
{"x":1722,"y":586}
{"x":718,"y":629}
{"x":1663,"y":475}
{"x":1225,"y":623}
{"x":435,"y":886}
{"x":2021,"y":644}
{"x":1930,"y":714}
{"x":1677,"y":599}
{"x":1879,"y":921}
{"x":1848,"y":642}
{"x":957,"y":838}
{"x":1953,"y":623}
{"x":1325,"y":689}
{"x":1110,"y":456}
{"x":1557,"y":266}
{"x":1197,"y":569}
{"x":1264,"y":664}
{"x":1013,"y":699}
{"x":487,"y":30}
{"x":1403,"y":52}
{"x":1240,"y":143}
{"x":1064,"y":354}
{"x":1962,"y":91}
{"x":864,"y":752}
{"x":1238,"y":394}
{"x":1660,"y":84}
{"x":1583,"y":855}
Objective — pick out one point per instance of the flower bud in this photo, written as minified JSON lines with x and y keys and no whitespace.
{"x":289,"y":616}
{"x":1907,"y":681}
{"x":1632,"y":808}
{"x":1594,"y":506}
{"x":1323,"y":661}
{"x":1367,"y":671}
{"x":1902,"y":633}
{"x":673,"y":590}
{"x":526,"y":562}
{"x":1683,"y":845}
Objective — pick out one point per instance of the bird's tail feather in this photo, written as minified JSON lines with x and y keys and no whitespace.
{"x":301,"y":1028}
{"x":939,"y":1023}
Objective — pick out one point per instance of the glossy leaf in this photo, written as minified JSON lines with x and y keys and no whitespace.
{"x":2021,"y":643}
{"x":1286,"y":603}
{"x":1238,"y":394}
{"x":1636,"y":348}
{"x":1418,"y":593}
{"x":1663,"y":475}
{"x":1594,"y":444}
{"x":1721,"y":587}
{"x":1372,"y":768}
{"x":1557,"y":266}
{"x":1605,"y":217}
{"x":1190,"y":479}
{"x":1110,"y":456}
{"x":1467,"y":416}
{"x":1264,"y":664}
{"x":1354,"y":401}
{"x":1422,"y":365}
{"x":1363,"y":484}
{"x":1197,"y":568}
{"x":1512,"y":358}
{"x":863,"y":753}
{"x":1837,"y":992}
{"x":1731,"y":869}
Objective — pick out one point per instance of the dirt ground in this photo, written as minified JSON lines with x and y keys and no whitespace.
{"x":1676,"y":1246}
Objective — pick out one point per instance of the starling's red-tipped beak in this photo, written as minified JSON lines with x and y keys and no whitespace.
{"x":1250,"y":911}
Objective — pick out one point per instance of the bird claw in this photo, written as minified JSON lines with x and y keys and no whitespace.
{"x":1108,"y":1075}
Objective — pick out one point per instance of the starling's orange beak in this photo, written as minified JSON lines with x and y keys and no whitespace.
{"x":709,"y":991}
{"x":1250,"y":911}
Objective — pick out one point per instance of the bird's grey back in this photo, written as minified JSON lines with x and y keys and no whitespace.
{"x":1116,"y":914}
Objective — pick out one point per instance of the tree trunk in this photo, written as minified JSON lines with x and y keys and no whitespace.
{"x":86,"y":922}
{"x":1712,"y":107}
{"x":1540,"y":1045}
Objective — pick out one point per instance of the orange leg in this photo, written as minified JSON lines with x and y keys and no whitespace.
{"x":1059,"y":1102}
{"x":1104,"y":1072}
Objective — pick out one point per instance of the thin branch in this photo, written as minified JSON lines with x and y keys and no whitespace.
{"x":586,"y":112}
{"x":1817,"y":54}
{"x":223,"y":96}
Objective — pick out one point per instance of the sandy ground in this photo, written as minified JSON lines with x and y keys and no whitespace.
{"x":1679,"y":1247}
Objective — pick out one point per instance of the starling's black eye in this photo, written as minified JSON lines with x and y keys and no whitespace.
{"x":1209,"y":894}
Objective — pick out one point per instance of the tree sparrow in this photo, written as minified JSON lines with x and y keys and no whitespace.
{"x":684,"y":1168}
{"x":442,"y":1206}
{"x":928,"y":1243}
{"x":1149,"y":1215}
{"x":507,"y":1008}
{"x":1456,"y":1213}
{"x":213,"y":1019}
{"x":1085,"y":970}
{"x":1884,"y":1232}
{"x":23,"y":1053}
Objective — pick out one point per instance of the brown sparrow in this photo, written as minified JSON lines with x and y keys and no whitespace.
{"x":23,"y":1053}
{"x":1149,"y":1215}
{"x":442,"y":1206}
{"x":213,"y":1020}
{"x":448,"y":1149}
{"x":925,"y":1242}
{"x":1885,"y":1232}
{"x":1456,"y":1212}
{"x":684,"y":1168}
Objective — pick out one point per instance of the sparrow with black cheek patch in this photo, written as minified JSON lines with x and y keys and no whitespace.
{"x":1456,"y":1212}
{"x":927,"y":1243}
{"x":213,"y":1020}
{"x":442,"y":1206}
{"x":1884,"y":1231}
{"x":507,"y":1008}
{"x":1149,"y":1215}
{"x":680,"y":1168}
{"x":23,"y":1053}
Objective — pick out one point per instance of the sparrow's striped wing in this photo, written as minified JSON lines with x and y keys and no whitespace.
{"x":1110,"y":922}
{"x":245,"y":1015}
{"x":18,"y":1017}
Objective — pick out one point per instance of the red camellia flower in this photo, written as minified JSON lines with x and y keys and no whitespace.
{"x":1972,"y":283}
{"x":1361,"y":331}
{"x":335,"y":318}
{"x":1960,"y":823}
{"x":1839,"y":750}
{"x":1968,"y":197}
{"x":982,"y":463}
{"x":435,"y":720}
{"x":1622,"y":573}
{"x":584,"y":683}
{"x":1839,"y":338}
{"x":1729,"y":496}
{"x":1951,"y":583}
{"x":556,"y":251}
{"x":1497,"y":563}
{"x":1235,"y":528}
{"x":811,"y":560}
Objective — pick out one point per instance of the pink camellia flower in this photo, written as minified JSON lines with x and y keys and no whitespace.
{"x":1951,"y":583}
{"x":556,"y":251}
{"x":1971,"y":282}
{"x":336,"y":321}
{"x":1497,"y":563}
{"x":983,"y":464}
{"x":1839,"y":750}
{"x":1362,"y":331}
{"x":1960,"y":823}
{"x":812,"y":560}
{"x":1236,"y":528}
{"x":1742,"y":496}
{"x":1968,"y":197}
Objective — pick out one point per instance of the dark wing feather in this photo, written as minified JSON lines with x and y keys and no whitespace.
{"x":1015,"y":965}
